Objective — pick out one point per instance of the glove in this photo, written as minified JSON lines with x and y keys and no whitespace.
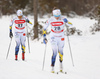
{"x":27,"y":20}
{"x":10,"y":34}
{"x":45,"y":40}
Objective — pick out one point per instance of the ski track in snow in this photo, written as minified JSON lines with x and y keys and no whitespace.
{"x":85,"y":51}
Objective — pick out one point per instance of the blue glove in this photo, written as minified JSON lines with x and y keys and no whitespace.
{"x":45,"y":40}
{"x":65,"y":20}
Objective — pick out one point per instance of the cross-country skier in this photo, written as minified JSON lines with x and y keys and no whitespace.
{"x":57,"y":38}
{"x":19,"y":32}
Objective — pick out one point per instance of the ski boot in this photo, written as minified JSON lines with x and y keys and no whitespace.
{"x":23,"y":56}
{"x":61,"y":67}
{"x":52,"y":69}
{"x":16,"y":56}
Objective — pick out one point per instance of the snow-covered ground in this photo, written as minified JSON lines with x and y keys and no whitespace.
{"x":85,"y":51}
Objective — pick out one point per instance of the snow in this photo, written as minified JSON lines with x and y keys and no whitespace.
{"x":85,"y":52}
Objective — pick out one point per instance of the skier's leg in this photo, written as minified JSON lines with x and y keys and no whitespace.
{"x":23,"y":39}
{"x":54,"y":56}
{"x":53,"y":59}
{"x":60,"y":49}
{"x":17,"y":39}
{"x":55,"y":50}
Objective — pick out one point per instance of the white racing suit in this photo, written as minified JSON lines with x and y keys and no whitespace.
{"x":57,"y":38}
{"x":19,"y":32}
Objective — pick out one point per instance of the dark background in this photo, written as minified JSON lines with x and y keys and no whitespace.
{"x":79,"y":7}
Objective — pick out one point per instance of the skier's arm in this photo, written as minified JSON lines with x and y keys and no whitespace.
{"x":44,"y":37}
{"x":10,"y":28}
{"x":67,"y":22}
{"x":27,"y":20}
{"x":44,"y":32}
{"x":45,"y":27}
{"x":11,"y":24}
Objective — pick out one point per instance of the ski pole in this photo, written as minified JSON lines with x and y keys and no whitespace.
{"x":70,"y":51}
{"x":8,"y":49}
{"x":44,"y":57}
{"x":28,"y":43}
{"x":70,"y":48}
{"x":28,"y":39}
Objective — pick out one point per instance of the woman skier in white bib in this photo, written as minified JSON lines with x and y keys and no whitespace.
{"x":57,"y":38}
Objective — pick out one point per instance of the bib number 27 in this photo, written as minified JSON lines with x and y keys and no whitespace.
{"x":20,"y":25}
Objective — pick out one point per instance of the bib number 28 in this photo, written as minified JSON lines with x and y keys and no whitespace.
{"x":57,"y":28}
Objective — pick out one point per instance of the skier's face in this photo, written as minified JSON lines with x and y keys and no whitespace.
{"x":57,"y":18}
{"x":20,"y":17}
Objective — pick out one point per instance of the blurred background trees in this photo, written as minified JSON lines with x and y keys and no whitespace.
{"x":80,"y":7}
